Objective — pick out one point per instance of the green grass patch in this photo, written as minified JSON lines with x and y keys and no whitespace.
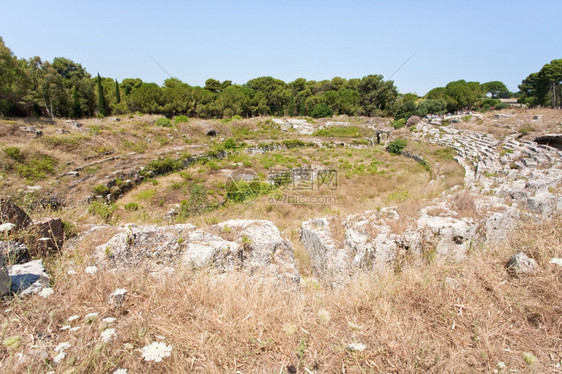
{"x":66,"y":143}
{"x":180,"y":119}
{"x":339,"y":132}
{"x":130,"y":207}
{"x":525,"y":130}
{"x":146,"y":194}
{"x":446,"y":153}
{"x":37,"y":168}
{"x":102,"y":210}
{"x":163,"y":122}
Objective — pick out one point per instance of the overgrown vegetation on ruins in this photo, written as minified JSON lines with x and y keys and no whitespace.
{"x":269,"y":227}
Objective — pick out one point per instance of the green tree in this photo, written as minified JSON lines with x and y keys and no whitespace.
{"x":332,"y":101}
{"x":177,"y":97}
{"x":544,"y":87}
{"x":376,"y":95}
{"x":117,"y":93}
{"x":76,"y":109}
{"x":431,"y":106}
{"x":130,"y":84}
{"x":101,"y":98}
{"x":349,"y":102}
{"x":406,"y":106}
{"x":276,"y":92}
{"x":146,"y":99}
{"x":13,"y":84}
{"x":496,"y":89}
{"x":213,"y":85}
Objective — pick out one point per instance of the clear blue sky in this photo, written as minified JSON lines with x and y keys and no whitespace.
{"x":239,"y":40}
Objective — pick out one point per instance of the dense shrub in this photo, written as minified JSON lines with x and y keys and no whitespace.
{"x":37,"y":168}
{"x":162,"y":166}
{"x":101,"y":189}
{"x":396,"y":146}
{"x":229,"y":143}
{"x":398,"y":124}
{"x":14,"y":153}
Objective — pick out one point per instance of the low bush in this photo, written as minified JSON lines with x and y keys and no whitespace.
{"x":131,"y":207}
{"x":101,"y":190}
{"x":398,"y":124}
{"x":180,"y":119}
{"x":397,"y":146}
{"x":525,"y":130}
{"x":162,"y":166}
{"x":14,"y":153}
{"x":104,"y":211}
{"x":38,"y":168}
{"x":163,"y":122}
{"x":229,"y":143}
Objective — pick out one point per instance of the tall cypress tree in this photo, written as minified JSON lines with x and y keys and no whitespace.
{"x":101,"y":98}
{"x":117,"y":94}
{"x":76,"y":109}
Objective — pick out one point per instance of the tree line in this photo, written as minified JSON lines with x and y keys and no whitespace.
{"x":63,"y":88}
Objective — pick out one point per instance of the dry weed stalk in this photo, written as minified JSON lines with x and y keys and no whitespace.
{"x":459,"y":317}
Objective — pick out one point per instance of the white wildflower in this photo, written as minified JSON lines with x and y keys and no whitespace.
{"x":356,"y":347}
{"x":120,"y":371}
{"x":75,"y":328}
{"x":71,"y":272}
{"x":324,"y":315}
{"x":109,"y":319}
{"x":156,"y":351}
{"x":107,"y":335}
{"x":72,"y":318}
{"x":91,"y":316}
{"x":62,"y":346}
{"x":354,"y":326}
{"x":91,"y":269}
{"x":65,"y":327}
{"x":58,"y":358}
{"x":46,"y":292}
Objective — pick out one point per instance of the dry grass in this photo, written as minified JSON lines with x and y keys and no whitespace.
{"x":463,"y":203}
{"x":517,"y":118}
{"x":453,"y":318}
{"x":442,"y":318}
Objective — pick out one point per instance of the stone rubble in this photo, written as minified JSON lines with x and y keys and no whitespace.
{"x":254,"y":246}
{"x":301,"y":126}
{"x":506,"y":179}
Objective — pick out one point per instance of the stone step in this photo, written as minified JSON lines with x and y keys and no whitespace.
{"x":529,"y":162}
